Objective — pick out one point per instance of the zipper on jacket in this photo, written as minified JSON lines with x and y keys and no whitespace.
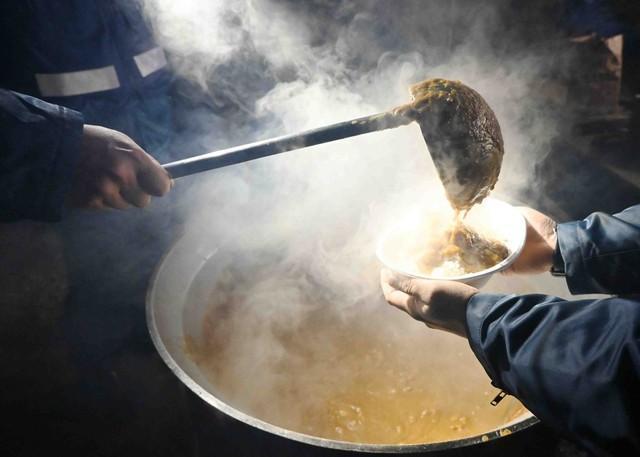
{"x":498,"y":398}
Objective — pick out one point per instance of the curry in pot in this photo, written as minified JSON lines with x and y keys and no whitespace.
{"x":297,"y":357}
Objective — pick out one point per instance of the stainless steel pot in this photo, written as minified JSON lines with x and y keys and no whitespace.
{"x":185,"y":279}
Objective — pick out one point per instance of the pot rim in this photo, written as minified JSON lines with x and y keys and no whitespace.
{"x":508,"y":429}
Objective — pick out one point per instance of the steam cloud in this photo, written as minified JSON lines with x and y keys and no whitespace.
{"x":276,"y":67}
{"x":269,"y":67}
{"x":260,"y":68}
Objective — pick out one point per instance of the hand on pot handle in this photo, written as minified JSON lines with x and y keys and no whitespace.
{"x":439,"y":304}
{"x":114,"y":172}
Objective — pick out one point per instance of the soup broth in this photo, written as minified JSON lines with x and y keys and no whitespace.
{"x":296,"y":357}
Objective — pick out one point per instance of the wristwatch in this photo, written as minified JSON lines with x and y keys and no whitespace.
{"x":557,"y":265}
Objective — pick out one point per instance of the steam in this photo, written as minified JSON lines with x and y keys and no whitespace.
{"x":276,"y":67}
{"x":265,"y":68}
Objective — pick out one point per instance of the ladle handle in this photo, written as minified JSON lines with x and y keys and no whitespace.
{"x":252,"y":151}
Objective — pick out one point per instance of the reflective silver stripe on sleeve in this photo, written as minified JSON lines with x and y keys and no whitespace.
{"x":77,"y":82}
{"x":150,"y":61}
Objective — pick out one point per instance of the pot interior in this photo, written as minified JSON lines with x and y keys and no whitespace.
{"x":262,"y":339}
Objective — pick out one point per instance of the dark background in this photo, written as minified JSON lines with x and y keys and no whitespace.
{"x":120,"y":399}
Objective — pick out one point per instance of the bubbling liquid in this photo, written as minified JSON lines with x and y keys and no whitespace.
{"x":365,"y":373}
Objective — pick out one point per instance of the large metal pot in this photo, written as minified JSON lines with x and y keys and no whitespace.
{"x":175,"y":307}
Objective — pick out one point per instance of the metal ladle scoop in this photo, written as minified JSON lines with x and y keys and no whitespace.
{"x":459,"y":127}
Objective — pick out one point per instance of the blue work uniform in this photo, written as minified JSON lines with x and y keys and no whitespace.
{"x":95,"y":62}
{"x":93,"y":57}
{"x":39,"y":146}
{"x":97,"y":57}
{"x":574,"y":364}
{"x":583,"y":17}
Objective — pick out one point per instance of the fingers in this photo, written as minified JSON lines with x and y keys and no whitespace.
{"x":136,"y":197}
{"x":114,"y":172}
{"x":408,"y":303}
{"x":127,"y":172}
{"x":109,"y":192}
{"x":95,"y":203}
{"x":395,"y":297}
{"x":419,"y":288}
{"x":118,"y":195}
{"x":152,"y":178}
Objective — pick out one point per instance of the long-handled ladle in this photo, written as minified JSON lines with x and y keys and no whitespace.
{"x":252,"y":151}
{"x":458,"y":125}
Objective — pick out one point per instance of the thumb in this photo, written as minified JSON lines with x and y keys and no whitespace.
{"x":152,"y":178}
{"x":418,"y":288}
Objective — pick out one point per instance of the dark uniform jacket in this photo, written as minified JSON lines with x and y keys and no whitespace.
{"x":574,"y":364}
{"x":39,"y":146}
{"x":95,"y":57}
{"x":98,"y":57}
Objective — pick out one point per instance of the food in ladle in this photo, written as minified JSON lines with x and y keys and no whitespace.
{"x":463,"y":136}
{"x":465,"y":142}
{"x":461,"y":250}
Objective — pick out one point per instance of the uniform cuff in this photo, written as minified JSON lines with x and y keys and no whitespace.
{"x":479,"y":309}
{"x":578,"y":279}
{"x":64,"y":162}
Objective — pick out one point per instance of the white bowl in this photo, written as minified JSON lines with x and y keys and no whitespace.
{"x":397,"y":248}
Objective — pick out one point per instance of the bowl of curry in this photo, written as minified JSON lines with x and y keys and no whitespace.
{"x":436,"y":243}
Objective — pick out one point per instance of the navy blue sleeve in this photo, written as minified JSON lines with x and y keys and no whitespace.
{"x":39,"y":146}
{"x":601,"y":253}
{"x":584,"y":17}
{"x":574,"y":364}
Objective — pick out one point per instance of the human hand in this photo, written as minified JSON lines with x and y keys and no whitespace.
{"x":439,"y":304}
{"x":114,"y":172}
{"x":541,"y":239}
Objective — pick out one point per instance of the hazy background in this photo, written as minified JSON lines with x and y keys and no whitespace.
{"x":249,"y":70}
{"x":254,"y":69}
